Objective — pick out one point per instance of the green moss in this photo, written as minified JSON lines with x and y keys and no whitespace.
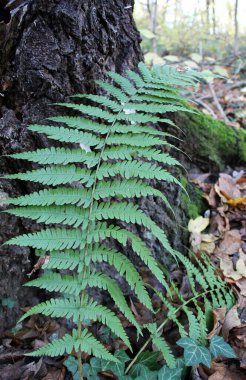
{"x":193,"y":205}
{"x":211,"y":141}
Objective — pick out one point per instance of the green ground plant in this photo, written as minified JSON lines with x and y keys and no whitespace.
{"x":92,"y":188}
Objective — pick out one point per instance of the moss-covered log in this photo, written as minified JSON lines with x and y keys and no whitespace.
{"x":211,"y":143}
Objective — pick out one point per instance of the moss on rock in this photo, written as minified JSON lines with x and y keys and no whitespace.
{"x":211,"y":142}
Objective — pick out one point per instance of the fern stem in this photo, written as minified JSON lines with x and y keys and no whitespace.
{"x":161,"y":327}
{"x":80,"y":366}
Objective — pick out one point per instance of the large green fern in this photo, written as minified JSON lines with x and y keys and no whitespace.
{"x":117,"y":154}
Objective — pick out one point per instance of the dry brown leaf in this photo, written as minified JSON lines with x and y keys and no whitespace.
{"x":228,"y":270}
{"x":231,"y":320}
{"x":219,"y":317}
{"x":38,"y":265}
{"x":226,"y":188}
{"x":241,"y":284}
{"x":220,"y":221}
{"x":230,"y":244}
{"x":195,"y":241}
{"x":225,"y":373}
{"x":55,"y":374}
{"x":211,"y":198}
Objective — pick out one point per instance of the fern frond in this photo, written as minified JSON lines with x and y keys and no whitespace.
{"x":61,"y":196}
{"x":137,"y":169}
{"x":114,"y":91}
{"x":124,"y":83}
{"x":117,"y":155}
{"x":55,"y":175}
{"x":102,"y":129}
{"x":162,"y":345}
{"x":56,"y":282}
{"x":156,"y":108}
{"x":58,"y":156}
{"x":99,"y":253}
{"x":123,"y":265}
{"x":67,"y":259}
{"x":68,"y":135}
{"x":71,"y":308}
{"x":102,"y":281}
{"x":86,"y":343}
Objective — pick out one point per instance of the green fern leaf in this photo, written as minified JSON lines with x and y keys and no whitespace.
{"x":162,"y":345}
{"x":55,"y":175}
{"x":68,"y":135}
{"x":85,"y":343}
{"x":71,"y":308}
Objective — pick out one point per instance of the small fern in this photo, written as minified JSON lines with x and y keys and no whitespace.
{"x":114,"y":160}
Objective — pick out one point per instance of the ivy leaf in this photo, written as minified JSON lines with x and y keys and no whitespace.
{"x":219,"y":347}
{"x":91,"y":370}
{"x":170,"y":373}
{"x":122,"y":356}
{"x":146,"y":374}
{"x":193,"y":353}
{"x":90,"y":373}
{"x":136,"y":370}
{"x":139,"y":372}
{"x":72,"y":366}
{"x":149,"y":359}
{"x":118,"y":369}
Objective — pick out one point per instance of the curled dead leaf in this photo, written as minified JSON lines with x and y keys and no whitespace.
{"x":219,"y":317}
{"x":231,"y":320}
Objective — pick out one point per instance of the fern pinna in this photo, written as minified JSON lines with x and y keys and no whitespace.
{"x":114,"y":160}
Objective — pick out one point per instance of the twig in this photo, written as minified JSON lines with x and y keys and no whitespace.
{"x":217,"y":103}
{"x":209,"y":109}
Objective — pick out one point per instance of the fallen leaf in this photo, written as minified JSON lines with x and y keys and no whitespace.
{"x":224,"y":373}
{"x":236,"y":202}
{"x":241,"y":267}
{"x":198,"y":225}
{"x":226,"y":188}
{"x":211,"y":198}
{"x":219,"y":317}
{"x":241,"y":284}
{"x":56,"y":374}
{"x":228,"y":270}
{"x":231,"y":320}
{"x":230,"y":244}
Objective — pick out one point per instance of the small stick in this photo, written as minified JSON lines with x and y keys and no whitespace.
{"x":217,"y":103}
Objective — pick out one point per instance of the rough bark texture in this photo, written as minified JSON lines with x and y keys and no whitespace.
{"x":50,"y":50}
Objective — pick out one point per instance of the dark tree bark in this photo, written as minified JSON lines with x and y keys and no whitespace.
{"x":49,"y":50}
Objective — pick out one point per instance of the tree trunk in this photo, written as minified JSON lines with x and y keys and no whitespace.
{"x":50,"y":50}
{"x":214,"y":17}
{"x":236,"y":28}
{"x":153,"y":23}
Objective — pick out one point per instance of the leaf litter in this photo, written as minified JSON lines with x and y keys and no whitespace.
{"x":221,"y":235}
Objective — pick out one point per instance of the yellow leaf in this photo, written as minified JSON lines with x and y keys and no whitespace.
{"x":198,"y":225}
{"x":236,"y":202}
{"x":241,"y":268}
